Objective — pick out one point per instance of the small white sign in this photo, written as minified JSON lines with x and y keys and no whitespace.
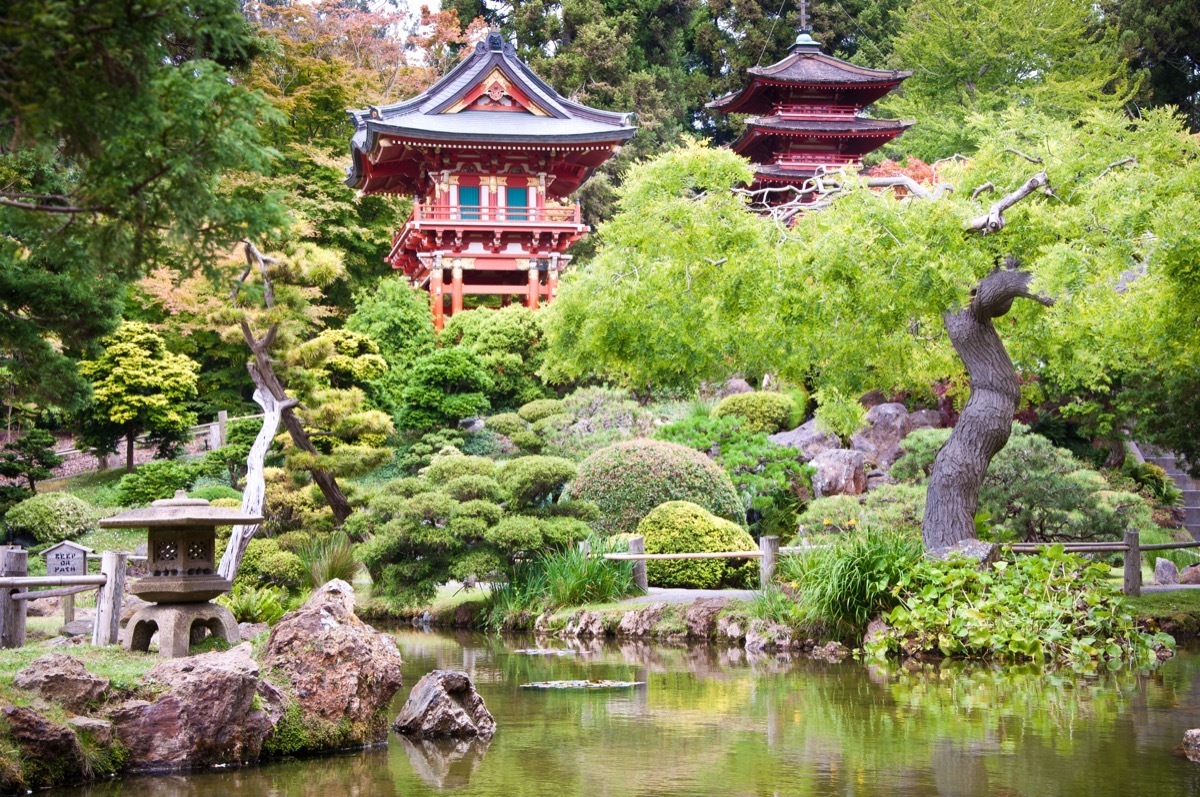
{"x":66,"y":559}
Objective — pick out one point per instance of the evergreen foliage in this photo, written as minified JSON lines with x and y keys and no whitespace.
{"x":51,"y":517}
{"x":760,"y":412}
{"x":443,"y":388}
{"x":30,"y":457}
{"x":684,"y":527}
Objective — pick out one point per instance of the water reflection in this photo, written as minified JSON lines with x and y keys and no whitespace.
{"x":717,"y":721}
{"x":444,"y":763}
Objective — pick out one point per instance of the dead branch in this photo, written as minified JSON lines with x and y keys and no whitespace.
{"x":988,"y":186}
{"x":993,"y":220}
{"x":910,"y":185}
{"x":1131,"y":160}
{"x":1023,"y":155}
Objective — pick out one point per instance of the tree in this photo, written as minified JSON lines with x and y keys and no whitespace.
{"x":396,"y":316}
{"x":875,"y":292}
{"x":1164,"y":38}
{"x":138,"y":386}
{"x":118,"y":122}
{"x":445,"y":387}
{"x":30,"y":457}
{"x":982,"y":56}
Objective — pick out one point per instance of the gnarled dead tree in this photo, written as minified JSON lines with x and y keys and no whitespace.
{"x":278,"y":409}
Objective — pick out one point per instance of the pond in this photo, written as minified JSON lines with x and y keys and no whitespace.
{"x":710,"y":721}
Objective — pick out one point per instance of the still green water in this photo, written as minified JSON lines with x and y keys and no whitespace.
{"x":712,"y":721}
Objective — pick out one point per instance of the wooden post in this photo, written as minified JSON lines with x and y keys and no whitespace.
{"x":436,"y":303}
{"x":456,"y":290}
{"x":766,"y":565}
{"x":68,"y":603}
{"x":14,"y":561}
{"x":222,"y":424}
{"x":1133,"y":564}
{"x":532,"y":299}
{"x":638,"y":545}
{"x":109,"y":598}
{"x":585,"y":547}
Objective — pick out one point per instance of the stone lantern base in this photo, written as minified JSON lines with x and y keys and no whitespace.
{"x":178,"y":626}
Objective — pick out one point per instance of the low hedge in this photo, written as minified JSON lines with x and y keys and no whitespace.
{"x":760,"y":412}
{"x":684,"y":527}
{"x":52,"y":517}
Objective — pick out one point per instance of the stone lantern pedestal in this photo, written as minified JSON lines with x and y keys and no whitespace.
{"x":181,"y":560}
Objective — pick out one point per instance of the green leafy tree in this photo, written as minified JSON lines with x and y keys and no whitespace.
{"x":138,"y":386}
{"x":118,"y":123}
{"x":396,"y":316}
{"x":30,"y":457}
{"x":1164,"y":38}
{"x":445,"y":387}
{"x":875,"y":292}
{"x":982,"y":56}
{"x":509,"y":345}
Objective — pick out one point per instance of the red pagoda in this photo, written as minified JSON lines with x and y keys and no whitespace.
{"x":490,"y":153}
{"x":807,"y":115}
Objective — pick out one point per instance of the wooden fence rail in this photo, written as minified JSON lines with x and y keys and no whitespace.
{"x":17,"y":589}
{"x":769,"y":552}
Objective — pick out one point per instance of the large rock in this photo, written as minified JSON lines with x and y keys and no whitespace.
{"x":50,"y":753}
{"x":808,"y":439}
{"x":1190,"y":575}
{"x":207,"y":714}
{"x":879,"y":440}
{"x":1191,"y":745}
{"x":584,"y":625}
{"x":341,"y":671}
{"x":734,"y":387}
{"x":701,"y":617}
{"x":839,"y":472}
{"x":922,"y":419}
{"x":81,"y":627}
{"x":43,"y":607}
{"x":1165,"y":572}
{"x":983,"y":553}
{"x":765,"y":635}
{"x":640,"y":623}
{"x":62,"y":679}
{"x":131,"y":605}
{"x":445,"y":703}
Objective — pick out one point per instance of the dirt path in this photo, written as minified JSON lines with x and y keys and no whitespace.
{"x":659,"y":595}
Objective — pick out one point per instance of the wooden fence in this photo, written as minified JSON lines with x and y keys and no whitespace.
{"x":17,"y":588}
{"x":768,"y":555}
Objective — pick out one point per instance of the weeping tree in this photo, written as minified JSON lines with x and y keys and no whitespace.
{"x":1059,"y":250}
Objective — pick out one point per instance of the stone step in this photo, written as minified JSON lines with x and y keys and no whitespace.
{"x":1191,"y":497}
{"x":1192,"y":517}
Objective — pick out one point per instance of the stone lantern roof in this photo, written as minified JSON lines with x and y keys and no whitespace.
{"x":179,"y":511}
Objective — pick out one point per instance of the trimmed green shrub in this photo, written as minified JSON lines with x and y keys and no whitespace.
{"x":684,"y":527}
{"x":762,"y":412}
{"x":447,"y":469}
{"x":508,"y":343}
{"x":266,"y":562}
{"x":1155,"y":481}
{"x":52,"y":517}
{"x":443,"y":388}
{"x":843,"y":584}
{"x":596,"y":417}
{"x":899,"y":507}
{"x":156,"y":480}
{"x":517,"y":533}
{"x":629,"y":479}
{"x":406,"y":487}
{"x":550,"y":425}
{"x":917,"y":452}
{"x":214,"y":492}
{"x":294,"y":541}
{"x":527,"y":441}
{"x":506,"y":423}
{"x":534,"y":411}
{"x":430,"y":445}
{"x":470,"y":488}
{"x":535,"y":481}
{"x":227,"y":503}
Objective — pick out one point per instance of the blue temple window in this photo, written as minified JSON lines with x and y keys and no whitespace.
{"x":517,"y":200}
{"x":468,"y":201}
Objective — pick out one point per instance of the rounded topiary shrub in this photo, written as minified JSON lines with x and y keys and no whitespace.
{"x":534,"y":481}
{"x":471,"y":488}
{"x":51,"y":517}
{"x":446,"y":469}
{"x":265,"y":561}
{"x":684,"y":527}
{"x":760,"y":412}
{"x":542,"y":408}
{"x":628,"y":479}
{"x":506,"y":423}
{"x":154,"y":481}
{"x":213,"y":492}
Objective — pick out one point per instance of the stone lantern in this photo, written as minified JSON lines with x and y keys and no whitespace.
{"x":182,"y":574}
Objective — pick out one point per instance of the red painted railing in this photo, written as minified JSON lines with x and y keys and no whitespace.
{"x":810,"y":111}
{"x":484,"y":214}
{"x":811,"y":160}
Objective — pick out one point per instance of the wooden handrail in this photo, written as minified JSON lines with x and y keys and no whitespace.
{"x":424,"y":212}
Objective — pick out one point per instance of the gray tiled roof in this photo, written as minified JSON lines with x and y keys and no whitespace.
{"x":424,"y":117}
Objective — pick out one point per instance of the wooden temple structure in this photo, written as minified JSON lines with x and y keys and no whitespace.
{"x":490,"y":154}
{"x":806,"y":115}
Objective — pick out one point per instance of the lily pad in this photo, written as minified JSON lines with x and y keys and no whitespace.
{"x":595,"y":683}
{"x":545,"y":652}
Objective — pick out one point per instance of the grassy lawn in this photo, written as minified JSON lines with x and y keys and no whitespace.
{"x":1163,"y":604}
{"x":98,"y":489}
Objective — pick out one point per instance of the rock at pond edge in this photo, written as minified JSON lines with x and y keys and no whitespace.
{"x":444,"y":703}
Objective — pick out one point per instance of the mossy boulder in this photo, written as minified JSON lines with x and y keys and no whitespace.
{"x":684,"y":527}
{"x":628,"y":479}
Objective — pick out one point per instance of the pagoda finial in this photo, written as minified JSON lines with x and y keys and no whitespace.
{"x":804,"y":42}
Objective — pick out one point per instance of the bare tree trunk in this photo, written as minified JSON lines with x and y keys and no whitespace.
{"x":952,"y":497}
{"x":129,"y":438}
{"x":254,"y":496}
